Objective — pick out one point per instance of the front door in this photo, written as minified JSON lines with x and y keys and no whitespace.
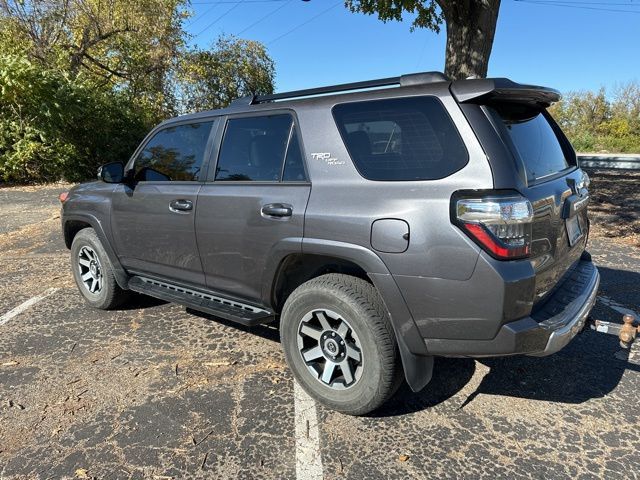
{"x":153,"y":215}
{"x":255,"y":201}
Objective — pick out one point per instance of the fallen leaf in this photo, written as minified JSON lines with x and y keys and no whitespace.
{"x":12,"y":404}
{"x":403,"y":458}
{"x":218,"y":364}
{"x":82,"y":473}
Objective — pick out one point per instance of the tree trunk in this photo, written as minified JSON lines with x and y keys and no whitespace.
{"x":471,"y":26}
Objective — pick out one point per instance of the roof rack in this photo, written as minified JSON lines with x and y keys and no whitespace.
{"x":403,"y":81}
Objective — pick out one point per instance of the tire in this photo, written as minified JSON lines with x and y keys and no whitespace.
{"x":99,"y":286}
{"x":359,"y":333}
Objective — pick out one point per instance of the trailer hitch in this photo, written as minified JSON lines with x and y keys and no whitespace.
{"x":626,"y":333}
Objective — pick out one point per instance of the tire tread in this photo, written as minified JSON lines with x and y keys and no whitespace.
{"x":114,"y":295}
{"x":364,"y":294}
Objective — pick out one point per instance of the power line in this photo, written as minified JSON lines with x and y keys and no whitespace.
{"x":305,"y":23}
{"x":582,"y":7}
{"x":218,"y":19}
{"x":220,"y":2}
{"x":206,"y":12}
{"x":626,"y":4}
{"x":264,"y":17}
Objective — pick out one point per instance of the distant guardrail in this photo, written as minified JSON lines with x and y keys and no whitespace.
{"x":609,"y":161}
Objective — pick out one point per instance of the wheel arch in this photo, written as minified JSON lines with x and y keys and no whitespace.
{"x":298,"y":268}
{"x":314,"y":257}
{"x":72,"y":224}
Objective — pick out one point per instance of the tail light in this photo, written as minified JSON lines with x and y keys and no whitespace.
{"x":63,"y":197}
{"x":500,"y":224}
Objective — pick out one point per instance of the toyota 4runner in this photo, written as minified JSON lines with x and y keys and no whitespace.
{"x":382,"y":223}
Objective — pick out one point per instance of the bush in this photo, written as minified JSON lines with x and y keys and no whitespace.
{"x":52,"y":127}
{"x":596,"y":123}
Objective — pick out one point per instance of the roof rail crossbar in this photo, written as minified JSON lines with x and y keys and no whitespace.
{"x":404,"y":80}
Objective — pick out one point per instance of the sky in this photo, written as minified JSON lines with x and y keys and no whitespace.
{"x":568,"y":45}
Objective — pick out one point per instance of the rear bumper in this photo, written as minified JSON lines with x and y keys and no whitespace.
{"x":546,"y":331}
{"x":566,"y":324}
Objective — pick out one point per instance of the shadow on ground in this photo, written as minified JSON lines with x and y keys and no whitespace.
{"x":587,"y":368}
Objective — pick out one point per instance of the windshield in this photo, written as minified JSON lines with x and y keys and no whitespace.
{"x":534,"y":139}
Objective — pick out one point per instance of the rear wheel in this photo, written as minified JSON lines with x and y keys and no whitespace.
{"x":339,"y":343}
{"x":93,"y":272}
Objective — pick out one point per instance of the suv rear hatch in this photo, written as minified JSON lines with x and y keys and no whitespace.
{"x":531,"y":155}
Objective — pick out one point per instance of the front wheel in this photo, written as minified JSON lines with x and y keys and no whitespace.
{"x":339,"y":343}
{"x":93,"y":272}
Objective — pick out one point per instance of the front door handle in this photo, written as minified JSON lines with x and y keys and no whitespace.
{"x":277,"y":210}
{"x":180,"y":206}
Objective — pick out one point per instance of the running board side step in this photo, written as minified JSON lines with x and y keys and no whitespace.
{"x":226,"y":308}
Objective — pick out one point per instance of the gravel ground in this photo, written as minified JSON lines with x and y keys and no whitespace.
{"x":615,"y":206}
{"x":155,"y":391}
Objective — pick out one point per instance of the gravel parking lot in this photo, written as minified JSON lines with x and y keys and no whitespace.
{"x":156,"y":391}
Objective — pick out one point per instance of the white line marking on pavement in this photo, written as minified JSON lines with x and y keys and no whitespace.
{"x":25,"y":305}
{"x":616,"y":306}
{"x":308,"y":459}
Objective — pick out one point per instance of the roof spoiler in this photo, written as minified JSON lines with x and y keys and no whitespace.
{"x":492,"y":90}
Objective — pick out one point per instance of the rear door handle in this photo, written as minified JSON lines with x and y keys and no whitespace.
{"x":180,"y":206}
{"x":277,"y":210}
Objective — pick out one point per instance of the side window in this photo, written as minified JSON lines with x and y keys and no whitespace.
{"x":174,"y":154}
{"x":253,"y":148}
{"x":401,"y":139}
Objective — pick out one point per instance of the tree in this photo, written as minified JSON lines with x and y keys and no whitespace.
{"x":52,"y":126}
{"x":232,"y":68}
{"x":597,"y":122}
{"x":582,"y":111}
{"x":470,"y":24}
{"x":112,"y":43}
{"x":82,"y":81}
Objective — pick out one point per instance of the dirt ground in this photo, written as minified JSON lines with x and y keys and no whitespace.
{"x":156,"y":391}
{"x":615,"y":206}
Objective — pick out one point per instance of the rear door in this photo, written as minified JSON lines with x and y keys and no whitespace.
{"x":553,"y":184}
{"x":153,"y":216}
{"x":253,"y":202}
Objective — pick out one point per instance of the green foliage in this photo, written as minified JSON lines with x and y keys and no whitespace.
{"x":427,"y":12}
{"x":82,"y":81}
{"x":112,"y":43}
{"x":596,"y":123}
{"x":233,"y":68}
{"x":52,"y":127}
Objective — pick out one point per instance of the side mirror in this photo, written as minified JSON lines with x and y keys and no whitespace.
{"x":111,"y":172}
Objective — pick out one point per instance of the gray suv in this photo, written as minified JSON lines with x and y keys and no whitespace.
{"x":382,"y":223}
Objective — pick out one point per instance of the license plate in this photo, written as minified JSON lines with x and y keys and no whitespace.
{"x":574,"y":232}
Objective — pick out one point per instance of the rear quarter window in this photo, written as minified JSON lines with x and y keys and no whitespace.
{"x":401,"y":139}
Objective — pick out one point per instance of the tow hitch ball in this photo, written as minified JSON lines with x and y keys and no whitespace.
{"x":626,"y":332}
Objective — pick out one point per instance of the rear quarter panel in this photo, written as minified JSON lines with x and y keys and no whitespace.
{"x":343,"y":205}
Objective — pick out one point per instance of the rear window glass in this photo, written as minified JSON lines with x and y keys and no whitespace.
{"x":534,"y":139}
{"x":401,"y":139}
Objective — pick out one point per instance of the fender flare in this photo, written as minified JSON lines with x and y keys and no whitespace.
{"x":416,"y":362}
{"x":121,"y":276}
